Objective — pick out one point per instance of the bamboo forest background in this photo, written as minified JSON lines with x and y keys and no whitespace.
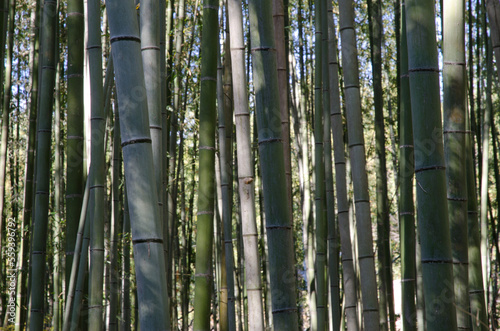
{"x":249,"y":165}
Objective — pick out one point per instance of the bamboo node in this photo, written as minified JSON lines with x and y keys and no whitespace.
{"x":263,"y":48}
{"x":406,"y":146}
{"x":423,"y":69}
{"x":457,"y":199}
{"x":457,"y":131}
{"x":208,"y":212}
{"x":210,"y":7}
{"x":346,"y":28}
{"x":361,"y":257}
{"x":125,"y":38}
{"x":155,"y":48}
{"x":284,"y":310}
{"x":278,"y":227}
{"x":270,"y":140}
{"x":136,"y":141}
{"x":454,"y":63}
{"x":208,"y":78}
{"x":430,"y":168}
{"x":75,"y":137}
{"x":433,"y":261}
{"x":150,"y":240}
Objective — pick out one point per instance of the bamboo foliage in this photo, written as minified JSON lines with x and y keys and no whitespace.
{"x":147,"y":235}
{"x":432,"y":210}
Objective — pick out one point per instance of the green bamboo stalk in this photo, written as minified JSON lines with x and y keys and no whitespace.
{"x":58,"y":210}
{"x":7,"y":21}
{"x":74,"y":131}
{"x":7,"y":95}
{"x":138,"y":161}
{"x":479,"y":319}
{"x":126,"y":305}
{"x":29,"y":169}
{"x":432,"y":212}
{"x":116,"y":227}
{"x":406,"y":207}
{"x":97,"y":167}
{"x":48,"y":62}
{"x":79,"y":243}
{"x":349,"y":283}
{"x":246,"y":177}
{"x":225,"y":152}
{"x":319,"y":173}
{"x":358,"y":162}
{"x":223,"y":205}
{"x":206,"y":190}
{"x":484,"y":142}
{"x":333,"y":243}
{"x":80,"y":274}
{"x":493,"y":10}
{"x":281,"y":63}
{"x":454,"y":133}
{"x":386,"y":304}
{"x":150,"y":38}
{"x":278,"y":219}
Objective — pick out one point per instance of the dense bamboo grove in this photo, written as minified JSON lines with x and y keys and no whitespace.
{"x":249,"y":165}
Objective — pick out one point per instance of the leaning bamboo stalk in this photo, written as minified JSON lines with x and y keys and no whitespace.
{"x":349,"y":277}
{"x":358,"y":166}
{"x":138,"y":163}
{"x":70,"y":293}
